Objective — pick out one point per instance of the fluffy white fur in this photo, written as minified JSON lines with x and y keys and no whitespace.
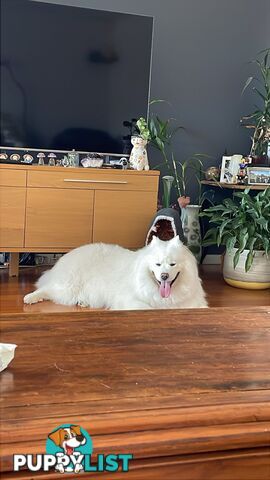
{"x":109,"y":276}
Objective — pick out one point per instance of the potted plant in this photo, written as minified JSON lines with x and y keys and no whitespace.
{"x":179,"y":174}
{"x":259,"y":120}
{"x":242,"y":225}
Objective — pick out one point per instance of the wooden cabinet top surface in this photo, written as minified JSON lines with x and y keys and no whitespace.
{"x":154,"y":383}
{"x":81,"y":170}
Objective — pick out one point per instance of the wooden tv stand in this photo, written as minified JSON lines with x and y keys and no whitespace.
{"x":55,"y":209}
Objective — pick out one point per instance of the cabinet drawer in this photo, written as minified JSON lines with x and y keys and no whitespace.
{"x":123,"y":217}
{"x":12,"y":178}
{"x":12,"y":216}
{"x":93,"y":180}
{"x":58,"y":218}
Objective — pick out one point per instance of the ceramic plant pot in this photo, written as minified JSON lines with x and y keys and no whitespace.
{"x":257,"y":278}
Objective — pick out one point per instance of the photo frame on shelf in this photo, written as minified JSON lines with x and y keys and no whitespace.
{"x":230,"y":168}
{"x":258,"y":175}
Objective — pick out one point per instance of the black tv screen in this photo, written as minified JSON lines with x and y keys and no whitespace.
{"x":70,"y":76}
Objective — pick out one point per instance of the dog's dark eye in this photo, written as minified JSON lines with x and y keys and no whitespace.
{"x":66,"y":437}
{"x":158,"y":264}
{"x":172,"y":264}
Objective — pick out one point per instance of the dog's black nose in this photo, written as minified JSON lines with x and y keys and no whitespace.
{"x":80,"y":438}
{"x":164,"y":276}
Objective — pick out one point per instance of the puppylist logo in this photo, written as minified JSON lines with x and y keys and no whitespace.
{"x":69,"y":448}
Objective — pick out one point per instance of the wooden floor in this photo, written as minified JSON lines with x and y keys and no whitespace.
{"x":219,"y":293}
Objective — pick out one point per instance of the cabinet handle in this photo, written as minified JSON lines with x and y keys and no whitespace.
{"x":78,"y":180}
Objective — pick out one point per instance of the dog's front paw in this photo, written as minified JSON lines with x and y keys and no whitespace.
{"x":32,"y":298}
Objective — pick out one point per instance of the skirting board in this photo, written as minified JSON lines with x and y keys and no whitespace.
{"x":212,"y":260}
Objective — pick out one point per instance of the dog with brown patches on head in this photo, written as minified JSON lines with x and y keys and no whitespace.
{"x":68,"y":438}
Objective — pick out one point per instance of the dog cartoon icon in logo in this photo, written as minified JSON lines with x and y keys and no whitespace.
{"x":67,"y":441}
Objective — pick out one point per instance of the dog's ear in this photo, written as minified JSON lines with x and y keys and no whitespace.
{"x":56,"y":437}
{"x":154,"y":240}
{"x":76,"y":429}
{"x":176,"y":240}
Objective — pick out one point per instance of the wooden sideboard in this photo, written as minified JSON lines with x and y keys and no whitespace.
{"x":55,"y":209}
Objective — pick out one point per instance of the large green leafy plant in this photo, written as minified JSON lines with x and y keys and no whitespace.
{"x":242,"y":223}
{"x":259,"y":120}
{"x":160,"y":133}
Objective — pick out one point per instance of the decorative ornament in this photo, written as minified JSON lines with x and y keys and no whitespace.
{"x":15,"y":157}
{"x":138,"y":157}
{"x":51,"y":158}
{"x":92,"y":160}
{"x":27,"y":158}
{"x":41,"y":157}
{"x":212,"y":173}
{"x":73,"y":158}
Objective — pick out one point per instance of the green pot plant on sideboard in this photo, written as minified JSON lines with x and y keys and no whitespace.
{"x":242,"y":225}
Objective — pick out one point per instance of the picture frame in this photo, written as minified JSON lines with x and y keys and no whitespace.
{"x":258,"y":175}
{"x":230,"y":168}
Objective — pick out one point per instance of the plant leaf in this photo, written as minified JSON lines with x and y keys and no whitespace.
{"x":248,"y":82}
{"x":249,"y":261}
{"x":243,"y":241}
{"x":230,"y":243}
{"x":236,"y":259}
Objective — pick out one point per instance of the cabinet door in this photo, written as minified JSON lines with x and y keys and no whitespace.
{"x":123,"y":217}
{"x":58,"y":217}
{"x":12,"y":215}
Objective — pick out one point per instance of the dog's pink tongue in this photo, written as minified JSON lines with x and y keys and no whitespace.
{"x":165,"y":288}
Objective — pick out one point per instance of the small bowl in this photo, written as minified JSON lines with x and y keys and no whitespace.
{"x":89,"y":162}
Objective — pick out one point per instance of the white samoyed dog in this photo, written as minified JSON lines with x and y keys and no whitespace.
{"x":160,"y":275}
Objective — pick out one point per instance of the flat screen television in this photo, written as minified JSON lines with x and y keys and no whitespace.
{"x":71,"y":76}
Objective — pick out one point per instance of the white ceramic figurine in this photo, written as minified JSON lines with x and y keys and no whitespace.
{"x":138,"y":157}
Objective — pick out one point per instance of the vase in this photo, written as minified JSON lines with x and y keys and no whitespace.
{"x":192,"y":229}
{"x":167,"y":187}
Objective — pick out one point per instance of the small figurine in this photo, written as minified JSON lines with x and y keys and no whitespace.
{"x":65,"y":161}
{"x":15,"y":157}
{"x":124,"y":162}
{"x":3,"y":156}
{"x":27,"y":158}
{"x":138,"y":157}
{"x":212,"y":173}
{"x":51,"y":158}
{"x":73,"y":158}
{"x":242,"y":177}
{"x":41,"y":157}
